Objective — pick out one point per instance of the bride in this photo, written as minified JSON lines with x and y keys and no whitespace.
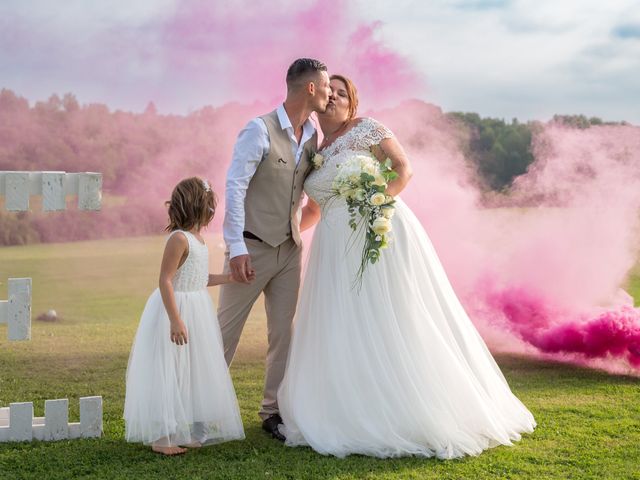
{"x":395,"y":368}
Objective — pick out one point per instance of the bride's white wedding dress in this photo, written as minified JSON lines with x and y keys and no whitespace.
{"x":396,"y":368}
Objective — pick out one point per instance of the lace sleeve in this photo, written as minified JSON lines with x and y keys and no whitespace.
{"x":377,"y":131}
{"x":372,"y":132}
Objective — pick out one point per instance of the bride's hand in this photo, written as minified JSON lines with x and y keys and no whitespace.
{"x":178,"y":332}
{"x":391,"y":148}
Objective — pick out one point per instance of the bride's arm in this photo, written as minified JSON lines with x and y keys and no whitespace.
{"x":310,"y":215}
{"x":392,"y":149}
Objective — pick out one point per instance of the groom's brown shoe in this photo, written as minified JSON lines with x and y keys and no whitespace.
{"x":271,"y":425}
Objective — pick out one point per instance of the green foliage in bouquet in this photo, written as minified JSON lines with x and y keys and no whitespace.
{"x":362,"y":181}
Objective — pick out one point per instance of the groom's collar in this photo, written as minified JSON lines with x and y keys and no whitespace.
{"x":307,"y":127}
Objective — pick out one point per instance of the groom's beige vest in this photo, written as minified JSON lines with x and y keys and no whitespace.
{"x":273,"y":196}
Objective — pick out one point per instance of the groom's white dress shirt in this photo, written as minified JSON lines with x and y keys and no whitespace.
{"x":250,"y":149}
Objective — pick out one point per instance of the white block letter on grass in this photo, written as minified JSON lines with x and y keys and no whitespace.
{"x":53,"y":191}
{"x":16,"y":310}
{"x":91,"y":417}
{"x":17,"y":423}
{"x":54,"y":188}
{"x":17,"y":191}
{"x":20,"y":421}
{"x":89,"y":191}
{"x":56,"y":415}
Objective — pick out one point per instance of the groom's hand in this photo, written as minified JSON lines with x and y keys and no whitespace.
{"x":241,"y":269}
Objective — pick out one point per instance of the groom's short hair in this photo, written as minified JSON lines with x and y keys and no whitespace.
{"x":302,"y":68}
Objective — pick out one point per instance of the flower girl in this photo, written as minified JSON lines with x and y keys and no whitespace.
{"x":179,"y":392}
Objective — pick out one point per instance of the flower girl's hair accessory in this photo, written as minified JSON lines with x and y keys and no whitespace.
{"x":206,"y":186}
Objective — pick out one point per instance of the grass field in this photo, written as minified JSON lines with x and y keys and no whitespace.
{"x":588,"y":421}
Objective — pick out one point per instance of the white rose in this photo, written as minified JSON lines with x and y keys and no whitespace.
{"x":370,"y":169}
{"x":379,"y":180}
{"x":381,"y":225}
{"x":350,"y":193}
{"x":377,"y":199}
{"x":387,"y":212}
{"x":360,"y":194}
{"x":363,"y":160}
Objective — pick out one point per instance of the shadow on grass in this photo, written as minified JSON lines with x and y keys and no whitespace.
{"x":518,"y":366}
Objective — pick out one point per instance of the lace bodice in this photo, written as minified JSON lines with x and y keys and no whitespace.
{"x":359,"y":139}
{"x":193,"y":274}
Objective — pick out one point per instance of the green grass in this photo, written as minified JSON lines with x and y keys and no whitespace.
{"x":633,"y":284}
{"x":588,"y":421}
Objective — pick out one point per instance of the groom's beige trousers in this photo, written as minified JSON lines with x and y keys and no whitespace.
{"x":278,"y":276}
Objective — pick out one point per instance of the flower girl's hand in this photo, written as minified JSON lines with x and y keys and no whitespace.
{"x":178,"y":333}
{"x":251,"y":276}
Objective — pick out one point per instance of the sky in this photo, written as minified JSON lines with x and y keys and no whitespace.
{"x":503,"y":58}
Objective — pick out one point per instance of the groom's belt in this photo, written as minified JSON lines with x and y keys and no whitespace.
{"x":250,"y":235}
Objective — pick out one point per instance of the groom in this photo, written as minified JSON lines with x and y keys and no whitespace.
{"x":271,"y":160}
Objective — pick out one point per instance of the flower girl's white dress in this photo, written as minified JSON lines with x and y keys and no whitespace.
{"x":396,"y":368}
{"x":180,"y":394}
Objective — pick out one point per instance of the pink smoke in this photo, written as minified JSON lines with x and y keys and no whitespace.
{"x":581,"y":244}
{"x":174,"y":53}
{"x":611,"y":334}
{"x":545,"y":269}
{"x":248,"y":50}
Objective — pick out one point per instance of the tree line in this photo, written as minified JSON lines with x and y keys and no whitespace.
{"x":140,"y":154}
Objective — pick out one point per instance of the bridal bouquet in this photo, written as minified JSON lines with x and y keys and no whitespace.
{"x":362,"y":181}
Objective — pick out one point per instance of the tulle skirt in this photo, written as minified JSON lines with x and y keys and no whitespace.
{"x":180,"y":394}
{"x":395,"y":368}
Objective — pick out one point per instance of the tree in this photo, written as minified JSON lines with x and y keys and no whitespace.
{"x":69,"y":103}
{"x":499,"y":151}
{"x":151,"y":109}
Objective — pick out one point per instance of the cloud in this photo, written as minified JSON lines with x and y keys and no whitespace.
{"x":481,"y":4}
{"x":627,"y":31}
{"x":513,"y":58}
{"x":525,"y":60}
